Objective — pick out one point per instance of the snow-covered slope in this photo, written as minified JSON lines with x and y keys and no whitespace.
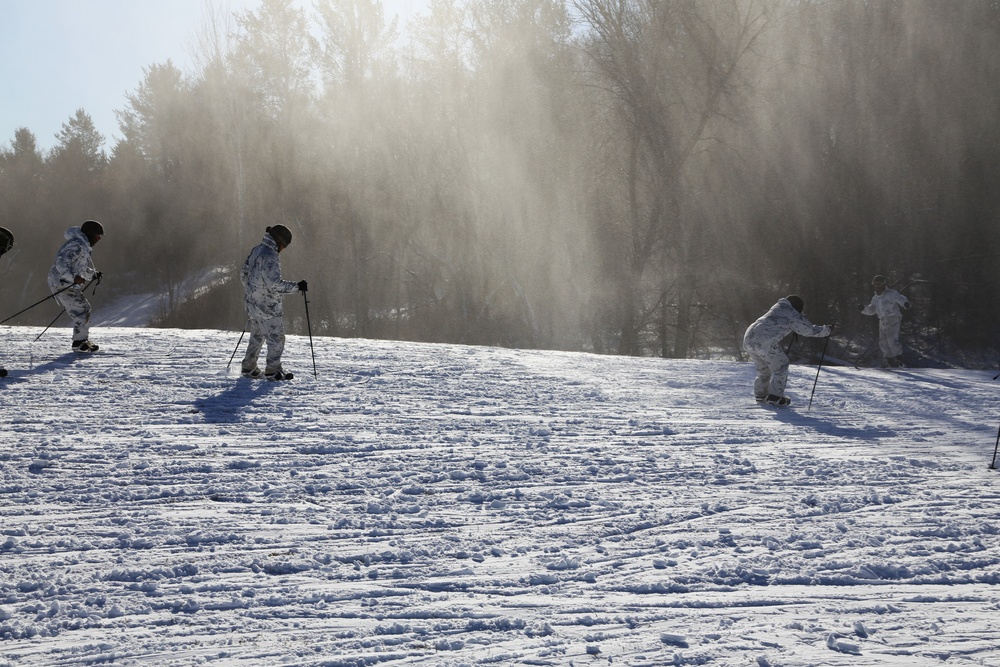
{"x":144,"y":309}
{"x":445,"y":505}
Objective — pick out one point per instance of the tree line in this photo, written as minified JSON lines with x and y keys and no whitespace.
{"x":640,"y":177}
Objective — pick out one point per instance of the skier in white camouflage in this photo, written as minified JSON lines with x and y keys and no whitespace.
{"x":71,"y":272}
{"x":762,"y":341}
{"x":6,"y":243}
{"x":886,"y":304}
{"x":263,"y":289}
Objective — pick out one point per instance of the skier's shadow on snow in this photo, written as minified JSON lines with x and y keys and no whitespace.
{"x":820,"y":425}
{"x":58,"y":364}
{"x":227,"y":407}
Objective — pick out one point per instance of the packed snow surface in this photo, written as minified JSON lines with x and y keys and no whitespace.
{"x":423,"y":504}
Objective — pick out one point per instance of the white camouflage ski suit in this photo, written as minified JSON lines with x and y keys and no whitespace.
{"x":887,"y":307}
{"x":263,"y":289}
{"x":72,"y":260}
{"x":762,"y":341}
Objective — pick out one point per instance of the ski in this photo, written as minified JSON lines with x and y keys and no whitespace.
{"x":257,"y":374}
{"x":776,"y":406}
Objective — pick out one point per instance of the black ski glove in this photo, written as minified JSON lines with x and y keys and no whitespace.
{"x":303,"y":286}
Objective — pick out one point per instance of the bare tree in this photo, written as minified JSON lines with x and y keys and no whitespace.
{"x":672,"y":70}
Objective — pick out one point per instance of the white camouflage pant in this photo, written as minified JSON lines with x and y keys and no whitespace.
{"x":772,"y":370}
{"x":78,"y":309}
{"x":888,"y":336}
{"x":271,"y":330}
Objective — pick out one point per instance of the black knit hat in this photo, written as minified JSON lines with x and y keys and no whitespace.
{"x":796,"y":301}
{"x":280,"y":234}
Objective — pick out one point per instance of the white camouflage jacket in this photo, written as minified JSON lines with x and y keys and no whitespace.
{"x":72,"y":260}
{"x":781,"y":320}
{"x":262,"y":283}
{"x":886,"y":304}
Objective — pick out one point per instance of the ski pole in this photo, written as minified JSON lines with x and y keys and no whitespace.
{"x":857,"y":361}
{"x":818,"y":368}
{"x":39,"y":336}
{"x":309,"y":329}
{"x":40,"y":301}
{"x":993,"y":465}
{"x":238,"y":345}
{"x":788,"y":350}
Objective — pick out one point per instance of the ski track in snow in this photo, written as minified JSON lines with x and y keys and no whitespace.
{"x":445,"y":505}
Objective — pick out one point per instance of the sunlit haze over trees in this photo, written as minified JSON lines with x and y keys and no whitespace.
{"x":635,"y":177}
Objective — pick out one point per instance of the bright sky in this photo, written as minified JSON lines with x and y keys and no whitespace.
{"x":57,"y":56}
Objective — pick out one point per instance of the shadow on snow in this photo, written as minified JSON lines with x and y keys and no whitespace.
{"x":227,"y":406}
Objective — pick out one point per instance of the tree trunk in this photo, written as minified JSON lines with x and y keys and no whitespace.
{"x":628,"y":341}
{"x":682,"y":338}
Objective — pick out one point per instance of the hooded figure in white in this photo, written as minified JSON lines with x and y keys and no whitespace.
{"x":6,"y":243}
{"x":71,"y":272}
{"x":762,"y":341}
{"x":886,"y":305}
{"x":263,"y":290}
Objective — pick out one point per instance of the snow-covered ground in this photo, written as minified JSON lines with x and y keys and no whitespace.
{"x":445,"y":505}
